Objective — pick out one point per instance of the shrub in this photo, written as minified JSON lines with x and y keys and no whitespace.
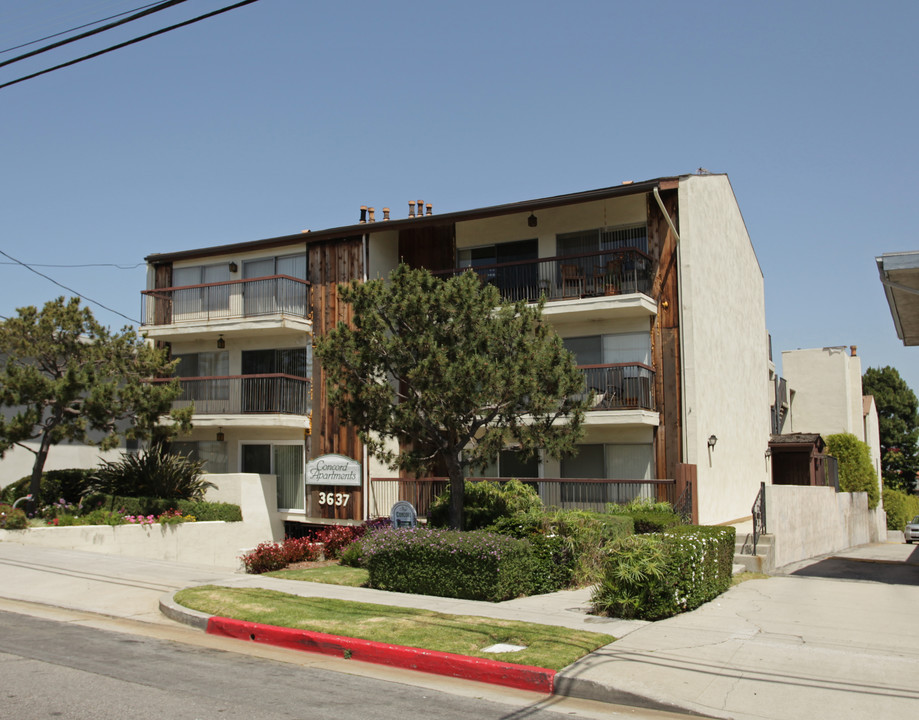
{"x":336,"y":538}
{"x":659,"y":575}
{"x":154,"y":472}
{"x":71,"y":485}
{"x":484,"y":502}
{"x":267,"y":557}
{"x":12,"y":518}
{"x":352,"y":555}
{"x":202,"y":510}
{"x":856,"y":473}
{"x":647,"y":515}
{"x":470,"y":565}
{"x":300,"y":549}
{"x":553,"y":554}
{"x":900,"y":507}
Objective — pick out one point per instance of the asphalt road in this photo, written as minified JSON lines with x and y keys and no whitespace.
{"x":54,"y":669}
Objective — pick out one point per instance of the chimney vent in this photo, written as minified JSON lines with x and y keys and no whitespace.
{"x":363,"y":214}
{"x":386,"y":213}
{"x":854,"y":349}
{"x":428,"y":209}
{"x":370,"y":217}
{"x":411,"y":208}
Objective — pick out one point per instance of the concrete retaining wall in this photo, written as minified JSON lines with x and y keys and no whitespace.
{"x":200,"y":543}
{"x":811,"y":521}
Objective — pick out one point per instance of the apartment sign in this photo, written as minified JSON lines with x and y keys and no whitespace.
{"x":333,"y":470}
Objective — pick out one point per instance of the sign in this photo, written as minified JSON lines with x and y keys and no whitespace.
{"x":403,"y":515}
{"x":333,"y":470}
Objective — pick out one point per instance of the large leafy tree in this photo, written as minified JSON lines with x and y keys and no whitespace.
{"x":898,"y":417}
{"x":443,"y":370}
{"x":65,"y":377}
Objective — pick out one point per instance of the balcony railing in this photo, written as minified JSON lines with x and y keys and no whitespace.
{"x":276,"y":295}
{"x":613,"y":272}
{"x":241,"y":394}
{"x":620,"y":386}
{"x":564,"y":493}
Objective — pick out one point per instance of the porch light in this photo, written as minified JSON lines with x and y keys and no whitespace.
{"x":234,"y":267}
{"x":711,"y":442}
{"x":532,"y":220}
{"x":221,"y":343}
{"x":220,"y":435}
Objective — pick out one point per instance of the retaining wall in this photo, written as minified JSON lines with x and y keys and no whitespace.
{"x":810,"y":521}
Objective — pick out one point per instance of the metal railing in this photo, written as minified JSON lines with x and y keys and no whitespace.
{"x":563,"y":493}
{"x":759,"y":515}
{"x":275,"y":295}
{"x":240,"y":394}
{"x":620,"y":386}
{"x":613,"y":272}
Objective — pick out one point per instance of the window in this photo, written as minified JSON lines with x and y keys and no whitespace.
{"x":285,"y":461}
{"x":213,"y":389}
{"x":278,"y":295}
{"x":213,"y":454}
{"x":196,"y":300}
{"x":276,"y":394}
{"x":509,"y":464}
{"x":602,"y":239}
{"x":514,"y":280}
{"x":611,"y":461}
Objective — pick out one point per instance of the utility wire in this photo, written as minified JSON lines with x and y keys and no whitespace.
{"x":143,"y":13}
{"x":90,"y":300}
{"x":83,"y":265}
{"x":74,"y":29}
{"x":129,"y":42}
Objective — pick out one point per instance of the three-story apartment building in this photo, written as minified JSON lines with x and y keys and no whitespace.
{"x":654,"y":286}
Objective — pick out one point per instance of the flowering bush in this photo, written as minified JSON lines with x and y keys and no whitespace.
{"x":472,"y":565}
{"x":336,"y":538}
{"x":266,"y":557}
{"x":300,"y":550}
{"x":656,"y":576}
{"x":12,"y":518}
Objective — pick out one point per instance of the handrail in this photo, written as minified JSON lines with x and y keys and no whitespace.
{"x":222,"y":282}
{"x":759,"y":515}
{"x":554,"y":258}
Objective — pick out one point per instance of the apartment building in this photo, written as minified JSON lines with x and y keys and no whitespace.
{"x":654,"y":286}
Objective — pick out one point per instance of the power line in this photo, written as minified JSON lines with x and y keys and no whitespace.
{"x":68,"y":289}
{"x":142,"y":14}
{"x":82,"y":265}
{"x":129,"y":42}
{"x":74,"y":29}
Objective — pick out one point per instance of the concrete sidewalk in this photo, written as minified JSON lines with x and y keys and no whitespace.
{"x":784,"y":647}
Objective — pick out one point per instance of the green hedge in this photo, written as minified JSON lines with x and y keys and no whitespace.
{"x":71,"y":484}
{"x":484,"y":502}
{"x":201,"y":509}
{"x":900,"y":508}
{"x":470,"y":565}
{"x":650,"y":577}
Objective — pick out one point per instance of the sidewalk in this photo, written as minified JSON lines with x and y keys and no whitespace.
{"x":785,"y":647}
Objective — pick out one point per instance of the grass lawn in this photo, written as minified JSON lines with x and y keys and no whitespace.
{"x":330,"y":574}
{"x":546,"y":646}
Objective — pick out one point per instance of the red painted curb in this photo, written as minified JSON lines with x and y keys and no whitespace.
{"x":524,"y":677}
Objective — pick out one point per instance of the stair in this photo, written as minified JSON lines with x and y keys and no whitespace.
{"x":762,"y":562}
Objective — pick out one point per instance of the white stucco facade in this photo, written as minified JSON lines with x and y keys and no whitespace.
{"x":724,"y":350}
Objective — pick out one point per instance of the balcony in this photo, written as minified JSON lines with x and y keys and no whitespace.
{"x":192,"y":306}
{"x":245,"y":394}
{"x":620,"y":386}
{"x":600,"y":274}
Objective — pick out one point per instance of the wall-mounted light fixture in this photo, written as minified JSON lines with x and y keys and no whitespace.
{"x":221,"y":343}
{"x":711,"y":442}
{"x":532,"y":220}
{"x":234,"y":267}
{"x":220,"y":435}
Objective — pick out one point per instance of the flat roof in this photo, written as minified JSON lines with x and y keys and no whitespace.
{"x":359,"y":229}
{"x":899,"y":273}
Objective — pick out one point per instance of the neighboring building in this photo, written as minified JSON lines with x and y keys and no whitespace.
{"x":826,"y":397}
{"x":899,"y":274}
{"x":654,"y":286}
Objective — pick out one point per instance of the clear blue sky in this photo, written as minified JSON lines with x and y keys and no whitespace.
{"x":286,"y":115}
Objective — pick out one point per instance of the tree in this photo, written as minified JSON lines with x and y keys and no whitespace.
{"x":444,"y":370}
{"x":898,"y":417}
{"x":66,"y":377}
{"x":856,"y":473}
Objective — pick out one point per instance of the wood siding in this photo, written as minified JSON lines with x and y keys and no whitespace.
{"x":332,"y":264}
{"x":665,"y":335}
{"x":433,"y":248}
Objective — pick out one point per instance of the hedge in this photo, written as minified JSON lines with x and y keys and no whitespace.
{"x":201,"y":509}
{"x":474,"y":565}
{"x":655,"y":576}
{"x":484,"y":502}
{"x":70,"y":484}
{"x":900,"y":508}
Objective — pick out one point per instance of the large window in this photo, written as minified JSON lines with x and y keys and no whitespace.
{"x":286,"y":463}
{"x":200,"y":300}
{"x":276,"y":394}
{"x":264,"y":296}
{"x":611,"y":461}
{"x":602,"y":240}
{"x":213,"y":454}
{"x":509,"y":464}
{"x":210,"y":393}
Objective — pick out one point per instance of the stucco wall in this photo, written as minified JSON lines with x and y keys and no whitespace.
{"x":201,"y":543}
{"x":811,"y":521}
{"x":822,"y":379}
{"x":724,"y":350}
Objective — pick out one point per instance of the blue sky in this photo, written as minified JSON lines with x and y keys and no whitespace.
{"x":286,"y":115}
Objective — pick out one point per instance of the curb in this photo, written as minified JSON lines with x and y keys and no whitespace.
{"x":495,"y":672}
